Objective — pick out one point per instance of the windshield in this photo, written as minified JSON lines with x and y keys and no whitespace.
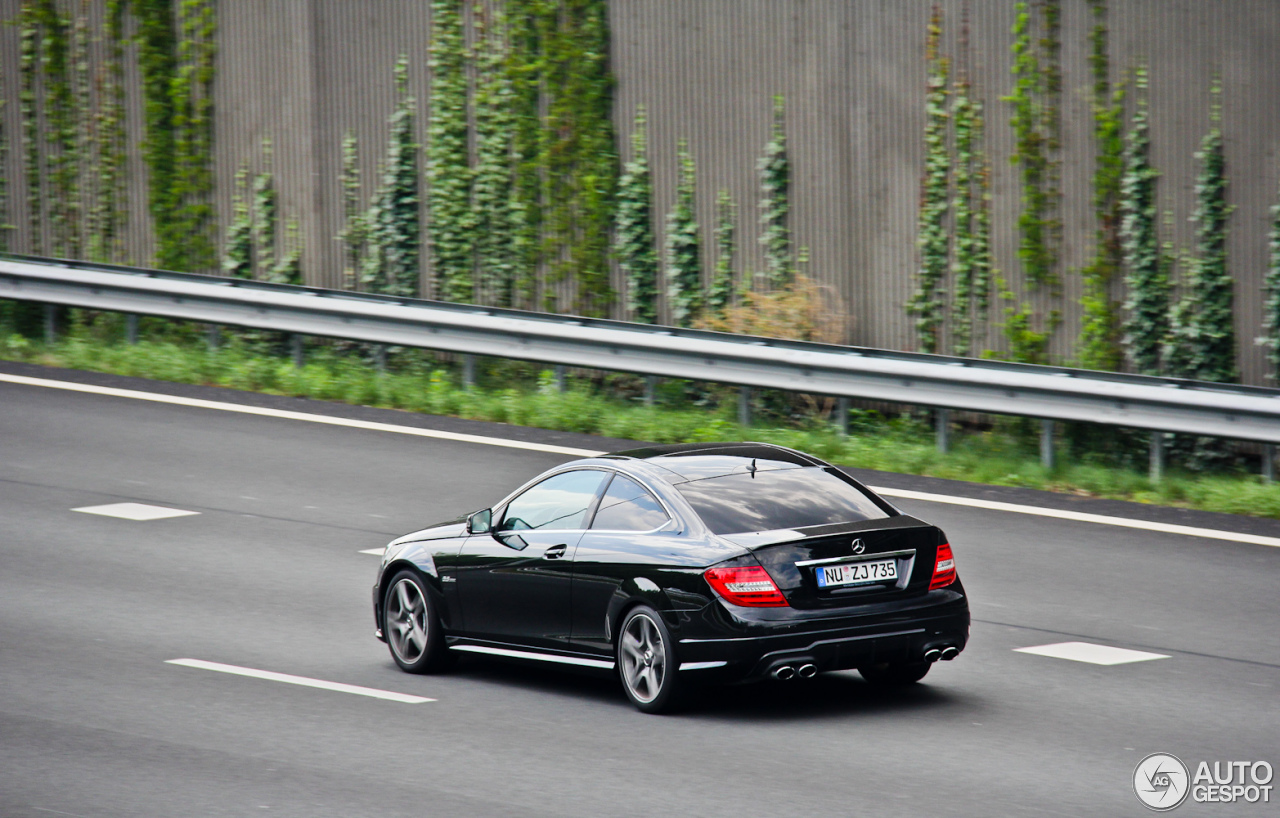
{"x":769,"y":500}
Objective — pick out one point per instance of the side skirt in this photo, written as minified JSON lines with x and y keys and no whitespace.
{"x":538,"y":656}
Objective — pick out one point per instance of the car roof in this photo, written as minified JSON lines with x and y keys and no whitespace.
{"x":698,"y":461}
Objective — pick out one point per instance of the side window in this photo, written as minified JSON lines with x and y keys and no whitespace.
{"x":559,"y":502}
{"x":627,"y":506}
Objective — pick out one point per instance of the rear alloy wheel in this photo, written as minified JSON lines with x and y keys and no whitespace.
{"x":894,"y":674}
{"x":412,"y":628}
{"x":646,"y":661}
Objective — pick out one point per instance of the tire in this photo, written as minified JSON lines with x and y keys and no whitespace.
{"x":647,"y":662}
{"x":894,"y":674}
{"x":412,"y":626}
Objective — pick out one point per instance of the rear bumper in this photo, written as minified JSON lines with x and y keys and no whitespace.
{"x":939,"y":619}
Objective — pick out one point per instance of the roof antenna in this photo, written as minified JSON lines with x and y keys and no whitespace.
{"x":752,"y":468}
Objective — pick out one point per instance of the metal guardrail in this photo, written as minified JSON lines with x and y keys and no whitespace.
{"x":996,"y":387}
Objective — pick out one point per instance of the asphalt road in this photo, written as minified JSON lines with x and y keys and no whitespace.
{"x":268,"y":575}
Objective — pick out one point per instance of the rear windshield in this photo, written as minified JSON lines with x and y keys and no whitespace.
{"x":786,"y":498}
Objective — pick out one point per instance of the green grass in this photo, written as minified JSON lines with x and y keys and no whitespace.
{"x":521,"y":394}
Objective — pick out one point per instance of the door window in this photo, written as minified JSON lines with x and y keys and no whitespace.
{"x":627,"y":506}
{"x":559,"y":502}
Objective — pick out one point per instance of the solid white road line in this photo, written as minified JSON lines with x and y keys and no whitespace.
{"x":304,"y":416}
{"x":1124,"y":522}
{"x":1091,"y":653}
{"x":1078,"y":516}
{"x":377,"y":552}
{"x":135,"y":511}
{"x":299,"y":680}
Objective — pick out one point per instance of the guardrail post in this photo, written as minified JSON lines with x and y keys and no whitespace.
{"x":650,"y":389}
{"x":131,"y":328}
{"x":744,"y":406}
{"x":468,"y":371}
{"x":50,"y":324}
{"x":214,"y":336}
{"x":1269,"y":463}
{"x":380,"y":358}
{"x":1046,"y":444}
{"x":1156,"y":470}
{"x":299,"y":356}
{"x":561,"y":381}
{"x":942,"y":429}
{"x":842,"y":416}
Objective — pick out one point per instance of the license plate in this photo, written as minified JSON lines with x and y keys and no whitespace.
{"x":857,"y":573}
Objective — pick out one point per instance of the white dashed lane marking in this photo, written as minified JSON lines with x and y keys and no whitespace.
{"x":136,"y":511}
{"x":377,"y":552}
{"x":272,"y":676}
{"x":1091,"y":653}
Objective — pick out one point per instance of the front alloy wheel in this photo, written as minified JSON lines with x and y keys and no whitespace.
{"x":412,"y":627}
{"x":647,"y":661}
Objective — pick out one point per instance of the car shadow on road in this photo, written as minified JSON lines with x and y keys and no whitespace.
{"x":552,"y":681}
{"x":828,"y":695}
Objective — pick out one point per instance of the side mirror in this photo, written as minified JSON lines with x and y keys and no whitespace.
{"x":481,"y":522}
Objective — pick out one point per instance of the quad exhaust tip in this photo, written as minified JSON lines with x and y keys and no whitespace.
{"x":932,"y":655}
{"x":950,"y":652}
{"x":807,"y":671}
{"x":784,"y":673}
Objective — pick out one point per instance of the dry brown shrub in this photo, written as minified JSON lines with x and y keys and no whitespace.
{"x":804,"y":310}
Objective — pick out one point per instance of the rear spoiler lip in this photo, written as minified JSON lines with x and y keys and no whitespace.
{"x":753,"y":540}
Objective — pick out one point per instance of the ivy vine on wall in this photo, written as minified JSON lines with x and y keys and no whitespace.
{"x":1037,"y":125}
{"x":30,"y":108}
{"x":1146,"y":276}
{"x":266,"y":206}
{"x":721,"y":293}
{"x":684,"y":246}
{"x":392,"y":262}
{"x":355,"y":230}
{"x":493,"y":215}
{"x":450,"y":231}
{"x":5,"y":226}
{"x":972,"y":267}
{"x":192,"y":223}
{"x":928,"y":302}
{"x":1205,"y":333}
{"x":775,"y":204}
{"x":524,"y":66}
{"x":1270,"y":338}
{"x":110,"y":210}
{"x":62,"y":144}
{"x":237,"y":254}
{"x":578,"y":157}
{"x":176,"y":52}
{"x":1100,"y":322}
{"x":633,"y":229}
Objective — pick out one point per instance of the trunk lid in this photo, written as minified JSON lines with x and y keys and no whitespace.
{"x":796,"y":558}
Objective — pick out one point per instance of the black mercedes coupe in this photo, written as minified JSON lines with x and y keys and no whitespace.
{"x":680,"y":565}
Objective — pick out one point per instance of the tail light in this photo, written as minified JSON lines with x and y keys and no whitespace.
{"x":750,"y":586}
{"x":944,"y":570}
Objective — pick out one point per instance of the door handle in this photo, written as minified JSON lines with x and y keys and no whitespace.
{"x":555,"y":552}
